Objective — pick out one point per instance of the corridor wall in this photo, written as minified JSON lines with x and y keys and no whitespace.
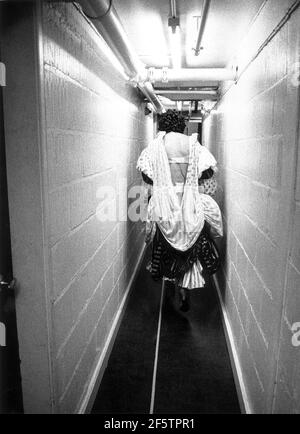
{"x":254,"y":134}
{"x":73,"y":127}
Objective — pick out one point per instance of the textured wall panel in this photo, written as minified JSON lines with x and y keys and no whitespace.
{"x":253,"y":135}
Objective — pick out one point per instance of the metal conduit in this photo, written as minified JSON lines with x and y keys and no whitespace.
{"x":105,"y":19}
{"x":204,"y":16}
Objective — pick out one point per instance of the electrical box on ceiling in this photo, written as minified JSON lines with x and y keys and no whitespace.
{"x":2,"y":74}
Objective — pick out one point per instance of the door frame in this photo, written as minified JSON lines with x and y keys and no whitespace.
{"x":24,"y":123}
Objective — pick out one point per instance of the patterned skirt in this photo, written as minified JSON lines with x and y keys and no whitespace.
{"x":173,"y":264}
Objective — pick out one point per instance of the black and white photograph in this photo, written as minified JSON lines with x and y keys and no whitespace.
{"x":150,"y":210}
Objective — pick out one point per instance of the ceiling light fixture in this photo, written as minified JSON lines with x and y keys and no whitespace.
{"x":175,"y":44}
{"x":175,"y":36}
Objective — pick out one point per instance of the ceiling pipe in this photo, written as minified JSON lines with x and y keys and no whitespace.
{"x":173,"y":7}
{"x":189,"y":95}
{"x":203,"y":21}
{"x":105,"y":19}
{"x":192,"y":75}
{"x":149,"y":93}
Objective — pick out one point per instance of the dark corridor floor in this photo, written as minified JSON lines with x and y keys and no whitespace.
{"x":193,"y":370}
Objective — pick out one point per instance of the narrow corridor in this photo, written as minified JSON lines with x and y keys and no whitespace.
{"x":173,"y":123}
{"x":194,"y":373}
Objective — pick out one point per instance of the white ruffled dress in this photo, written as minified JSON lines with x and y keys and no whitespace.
{"x":179,"y":210}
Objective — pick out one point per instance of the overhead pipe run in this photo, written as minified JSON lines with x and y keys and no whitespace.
{"x":149,"y":93}
{"x":105,"y":19}
{"x":173,"y":8}
{"x":202,"y":26}
{"x":173,"y":21}
{"x":194,"y":75}
{"x":189,"y":95}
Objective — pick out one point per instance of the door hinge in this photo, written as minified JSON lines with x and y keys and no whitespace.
{"x":2,"y":74}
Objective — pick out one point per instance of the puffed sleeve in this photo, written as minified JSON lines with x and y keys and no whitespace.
{"x":206,"y":160}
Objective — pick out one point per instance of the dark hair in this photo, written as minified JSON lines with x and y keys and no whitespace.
{"x":171,"y":121}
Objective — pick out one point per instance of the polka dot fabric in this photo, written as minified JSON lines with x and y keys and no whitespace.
{"x":209,"y":186}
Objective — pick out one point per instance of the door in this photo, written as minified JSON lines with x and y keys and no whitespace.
{"x":10,"y":379}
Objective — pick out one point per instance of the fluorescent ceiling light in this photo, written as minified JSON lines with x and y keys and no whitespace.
{"x":175,"y":45}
